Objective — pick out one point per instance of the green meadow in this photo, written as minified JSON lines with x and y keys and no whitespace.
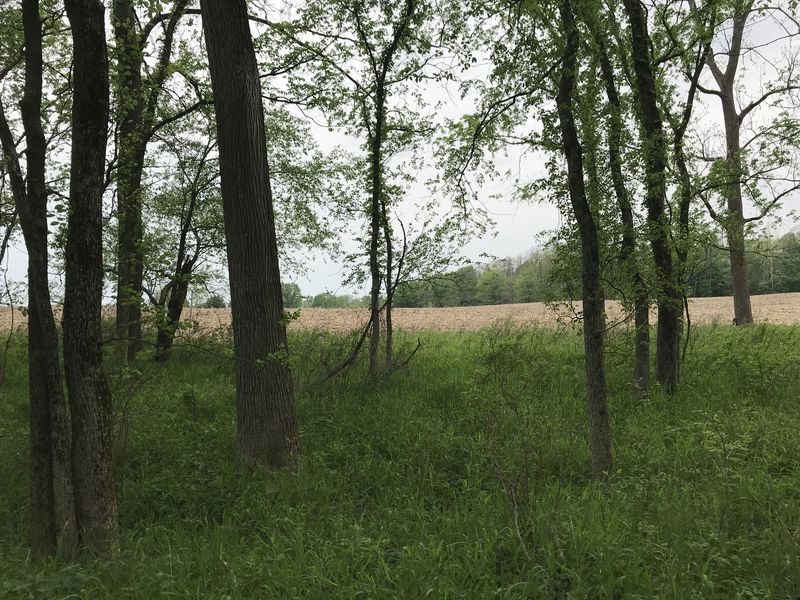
{"x":464,"y":475}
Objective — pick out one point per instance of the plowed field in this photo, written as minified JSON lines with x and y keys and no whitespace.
{"x":774,"y":308}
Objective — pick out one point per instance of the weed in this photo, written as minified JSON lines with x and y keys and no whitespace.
{"x":465,"y":475}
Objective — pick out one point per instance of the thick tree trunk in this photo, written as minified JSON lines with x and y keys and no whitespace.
{"x":670,"y":305}
{"x":266,"y":424}
{"x":90,"y":399}
{"x":641,"y":301}
{"x":53,"y":522}
{"x":593,"y":298}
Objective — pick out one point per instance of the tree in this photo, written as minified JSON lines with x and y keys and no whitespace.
{"x":53,"y":519}
{"x":331,"y":300}
{"x":629,"y":259}
{"x":192,"y":200}
{"x":292,"y":296}
{"x":184,"y":232}
{"x":593,"y":297}
{"x":787,"y":270}
{"x":214,"y":301}
{"x":265,"y":424}
{"x":761,"y":160}
{"x":494,"y":287}
{"x":89,"y":395}
{"x":368,"y":54}
{"x":137,"y":104}
{"x":669,"y":299}
{"x":381,"y":56}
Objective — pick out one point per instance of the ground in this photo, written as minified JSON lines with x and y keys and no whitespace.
{"x":777,"y":309}
{"x":466,"y":475}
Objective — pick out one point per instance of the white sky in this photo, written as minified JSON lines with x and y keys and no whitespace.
{"x":518,"y":226}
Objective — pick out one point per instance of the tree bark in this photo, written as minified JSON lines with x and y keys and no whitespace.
{"x":53,"y":523}
{"x":266,"y":423}
{"x":379,"y":219}
{"x":375,"y":231}
{"x":593,"y":297}
{"x":641,"y":299}
{"x":129,"y":177}
{"x":90,"y":399}
{"x":136,"y":114}
{"x":670,"y":306}
{"x":734,"y":220}
{"x":176,"y":298}
{"x":388,"y":286}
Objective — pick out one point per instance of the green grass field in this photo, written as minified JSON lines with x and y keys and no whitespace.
{"x":467,"y":475}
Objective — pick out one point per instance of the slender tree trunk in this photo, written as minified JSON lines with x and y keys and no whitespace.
{"x":165,"y":336}
{"x":377,"y":209}
{"x":685,"y":192}
{"x":178,"y":287}
{"x":266,"y":424}
{"x":53,"y":522}
{"x":641,"y":300}
{"x":593,"y":297}
{"x":129,"y":176}
{"x":136,"y":114}
{"x":90,"y":399}
{"x":389,"y":286}
{"x":670,"y":306}
{"x":734,"y":220}
{"x":375,"y":232}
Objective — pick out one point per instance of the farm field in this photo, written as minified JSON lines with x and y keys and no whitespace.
{"x":776,"y":309}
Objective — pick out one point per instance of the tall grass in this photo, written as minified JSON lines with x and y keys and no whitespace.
{"x":465,"y":475}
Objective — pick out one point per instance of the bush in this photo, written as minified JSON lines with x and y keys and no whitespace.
{"x":215,"y":301}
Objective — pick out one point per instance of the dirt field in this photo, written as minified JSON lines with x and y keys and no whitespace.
{"x":775,"y":308}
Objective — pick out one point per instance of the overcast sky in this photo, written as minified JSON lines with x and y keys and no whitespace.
{"x":518,"y":225}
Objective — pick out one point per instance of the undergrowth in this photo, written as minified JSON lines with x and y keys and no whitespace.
{"x":466,"y":475}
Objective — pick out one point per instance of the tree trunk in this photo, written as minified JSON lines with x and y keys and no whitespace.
{"x":90,"y":399}
{"x":130,"y":113}
{"x":53,"y":523}
{"x":685,"y":192}
{"x":176,"y":299}
{"x":136,"y":114}
{"x":388,"y":286}
{"x":670,"y":306}
{"x":593,"y":298}
{"x":178,"y":287}
{"x":641,"y":300}
{"x":734,"y":220}
{"x":375,"y":231}
{"x":266,"y":424}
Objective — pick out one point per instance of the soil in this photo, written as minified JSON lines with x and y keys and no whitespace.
{"x":783,"y":309}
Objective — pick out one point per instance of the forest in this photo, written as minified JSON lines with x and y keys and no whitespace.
{"x":162,"y":156}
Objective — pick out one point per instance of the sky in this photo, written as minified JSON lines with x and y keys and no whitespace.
{"x":519,"y":226}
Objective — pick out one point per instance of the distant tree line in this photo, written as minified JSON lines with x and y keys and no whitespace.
{"x":773,"y":267}
{"x":544,"y":275}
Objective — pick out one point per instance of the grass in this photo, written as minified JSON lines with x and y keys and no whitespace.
{"x":466,"y":476}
